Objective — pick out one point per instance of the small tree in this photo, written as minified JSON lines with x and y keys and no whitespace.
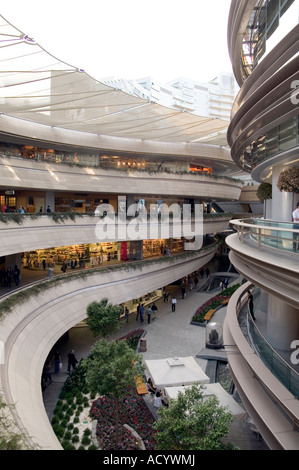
{"x":10,"y":437}
{"x":191,"y":423}
{"x":103,"y":318}
{"x":264,"y":191}
{"x":111,"y":370}
{"x":288,"y":180}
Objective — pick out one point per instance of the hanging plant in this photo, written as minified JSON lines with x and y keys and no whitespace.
{"x":288,"y":180}
{"x":264,"y":191}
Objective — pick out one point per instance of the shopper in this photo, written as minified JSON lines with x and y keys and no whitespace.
{"x":154,"y":310}
{"x":149,"y":314}
{"x":127,"y":314}
{"x":250,"y":304}
{"x":173,"y":303}
{"x":141,"y":313}
{"x":72,"y":361}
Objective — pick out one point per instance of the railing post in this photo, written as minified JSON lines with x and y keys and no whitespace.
{"x":242,"y":234}
{"x":259,"y":239}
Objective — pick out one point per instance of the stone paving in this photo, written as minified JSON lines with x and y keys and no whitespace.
{"x":170,"y":334}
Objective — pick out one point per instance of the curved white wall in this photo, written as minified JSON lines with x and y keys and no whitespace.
{"x":31,"y":330}
{"x":18,"y":173}
{"x":43,"y":232}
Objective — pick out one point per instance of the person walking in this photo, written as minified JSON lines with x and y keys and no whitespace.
{"x":56,"y":362}
{"x":173,"y":303}
{"x":183,"y":291}
{"x":149,"y":314}
{"x":250,"y":304}
{"x":141,"y":313}
{"x":154,"y":310}
{"x":138,"y":312}
{"x":296,"y":227}
{"x":72,"y":361}
{"x":127,"y":314}
{"x":16,"y":275}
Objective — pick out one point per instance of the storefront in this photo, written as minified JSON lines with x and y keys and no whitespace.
{"x":73,"y":256}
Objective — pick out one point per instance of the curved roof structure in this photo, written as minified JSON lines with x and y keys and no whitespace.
{"x":38,"y":87}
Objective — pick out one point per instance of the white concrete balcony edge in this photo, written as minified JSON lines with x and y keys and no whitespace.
{"x":44,"y":232}
{"x":33,"y":327}
{"x":259,"y":390}
{"x":269,"y":268}
{"x":19,"y":173}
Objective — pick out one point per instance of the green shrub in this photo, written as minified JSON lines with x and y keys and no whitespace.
{"x":85,"y":440}
{"x":60,"y":414}
{"x":68,"y":446}
{"x":76,"y":420}
{"x":81,"y":448}
{"x":92,"y":447}
{"x":59,"y":431}
{"x":76,"y":431}
{"x":64,"y":423}
{"x":87,"y":432}
{"x":70,"y":426}
{"x":68,"y":435}
{"x":55,"y":420}
{"x":75,"y":439}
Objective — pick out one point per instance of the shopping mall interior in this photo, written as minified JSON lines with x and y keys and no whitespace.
{"x":97,"y":187}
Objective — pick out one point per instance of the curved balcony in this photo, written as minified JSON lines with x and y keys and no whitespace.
{"x":250,"y":26}
{"x":33,"y":232}
{"x":38,"y":321}
{"x":266,"y":253}
{"x":273,"y":408}
{"x":19,"y":173}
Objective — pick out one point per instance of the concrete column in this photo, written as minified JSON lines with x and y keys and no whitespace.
{"x":282,"y":323}
{"x":283,"y":203}
{"x":50,"y":200}
{"x":12,"y":260}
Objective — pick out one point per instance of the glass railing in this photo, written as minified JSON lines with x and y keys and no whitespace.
{"x":272,"y":360}
{"x":279,"y":235}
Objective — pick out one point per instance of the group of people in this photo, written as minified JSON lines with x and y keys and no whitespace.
{"x":7,"y":276}
{"x":159,"y":398}
{"x":56,"y":359}
{"x":150,"y":312}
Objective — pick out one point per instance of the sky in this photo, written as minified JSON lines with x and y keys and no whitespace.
{"x":130,"y":39}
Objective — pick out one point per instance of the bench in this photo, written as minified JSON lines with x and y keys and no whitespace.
{"x":140,"y":386}
{"x":209,"y":314}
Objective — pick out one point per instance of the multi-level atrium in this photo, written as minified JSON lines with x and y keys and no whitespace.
{"x":263,"y":41}
{"x":70,"y":143}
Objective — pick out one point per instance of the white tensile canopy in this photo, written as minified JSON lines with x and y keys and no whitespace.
{"x":215,"y":389}
{"x":38,"y":87}
{"x":176,"y":371}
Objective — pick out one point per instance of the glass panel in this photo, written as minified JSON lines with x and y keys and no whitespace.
{"x":271,"y":142}
{"x":285,"y":5}
{"x":288,"y":134}
{"x":272,"y":10}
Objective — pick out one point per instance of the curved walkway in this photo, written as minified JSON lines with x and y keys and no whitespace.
{"x":170,"y":334}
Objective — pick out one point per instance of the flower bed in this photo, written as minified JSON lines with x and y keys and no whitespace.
{"x":213,"y":303}
{"x":133,"y":337}
{"x":133,"y":412}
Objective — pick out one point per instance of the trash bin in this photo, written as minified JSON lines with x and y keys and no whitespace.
{"x":143,"y":345}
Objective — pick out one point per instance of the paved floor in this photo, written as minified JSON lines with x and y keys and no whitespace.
{"x":170,"y":334}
